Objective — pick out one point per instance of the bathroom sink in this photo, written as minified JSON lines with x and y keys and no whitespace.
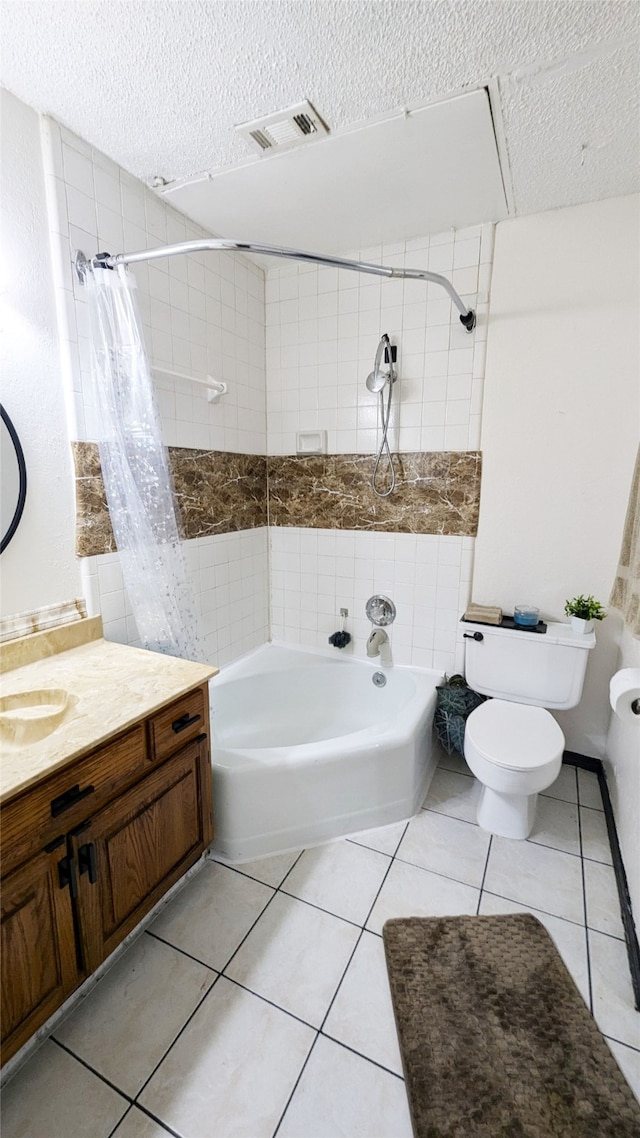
{"x":29,"y":716}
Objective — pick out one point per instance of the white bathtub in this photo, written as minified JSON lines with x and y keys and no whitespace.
{"x":305,"y":748}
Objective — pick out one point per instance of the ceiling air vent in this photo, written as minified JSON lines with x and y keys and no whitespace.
{"x":284,"y":129}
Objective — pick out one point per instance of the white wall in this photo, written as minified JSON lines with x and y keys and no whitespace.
{"x":560,"y":428}
{"x":38,"y":566}
{"x":560,"y":423}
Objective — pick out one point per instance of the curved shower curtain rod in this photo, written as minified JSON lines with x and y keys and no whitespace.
{"x":467,"y":315}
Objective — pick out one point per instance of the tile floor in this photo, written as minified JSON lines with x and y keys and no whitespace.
{"x":257,"y":1002}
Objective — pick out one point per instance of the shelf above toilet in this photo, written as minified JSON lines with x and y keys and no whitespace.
{"x":509,"y":622}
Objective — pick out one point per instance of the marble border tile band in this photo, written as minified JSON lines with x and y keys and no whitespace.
{"x":220,"y":492}
{"x":438,"y":492}
{"x":216,"y":492}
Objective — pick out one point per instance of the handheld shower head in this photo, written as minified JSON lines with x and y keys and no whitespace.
{"x":378,"y":379}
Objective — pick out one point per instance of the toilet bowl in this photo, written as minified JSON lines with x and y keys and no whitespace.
{"x":515,"y":751}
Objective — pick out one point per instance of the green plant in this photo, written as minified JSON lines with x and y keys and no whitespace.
{"x":586,"y":608}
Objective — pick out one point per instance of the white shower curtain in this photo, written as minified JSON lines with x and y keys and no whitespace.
{"x":135,"y":470}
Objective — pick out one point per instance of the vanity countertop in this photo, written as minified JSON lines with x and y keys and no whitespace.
{"x":112,"y":687}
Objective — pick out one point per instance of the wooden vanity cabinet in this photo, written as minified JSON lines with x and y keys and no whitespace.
{"x":115,"y":851}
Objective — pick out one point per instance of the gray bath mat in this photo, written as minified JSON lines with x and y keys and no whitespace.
{"x":495,"y":1038}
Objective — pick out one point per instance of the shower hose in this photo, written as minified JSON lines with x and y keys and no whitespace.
{"x":385,"y":415}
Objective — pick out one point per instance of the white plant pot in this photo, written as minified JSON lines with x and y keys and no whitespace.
{"x":580,"y":626}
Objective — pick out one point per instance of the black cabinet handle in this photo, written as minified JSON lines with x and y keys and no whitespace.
{"x":87,"y":861}
{"x":183,"y":722}
{"x":68,"y":799}
{"x":67,"y":875}
{"x":473,"y":636}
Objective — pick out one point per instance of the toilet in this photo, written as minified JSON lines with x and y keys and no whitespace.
{"x":512,"y":743}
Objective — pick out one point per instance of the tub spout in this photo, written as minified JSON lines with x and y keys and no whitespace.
{"x":375,"y":642}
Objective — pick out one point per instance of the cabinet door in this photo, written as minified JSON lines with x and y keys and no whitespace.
{"x":39,"y":966}
{"x":136,"y":848}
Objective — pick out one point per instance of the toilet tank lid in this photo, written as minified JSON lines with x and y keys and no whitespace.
{"x":557,"y":633}
{"x":516,"y":736}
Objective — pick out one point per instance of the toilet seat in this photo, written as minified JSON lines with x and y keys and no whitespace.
{"x":514,"y":736}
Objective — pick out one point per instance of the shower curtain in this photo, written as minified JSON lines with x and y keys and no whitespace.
{"x":625,"y":596}
{"x":136,"y":471}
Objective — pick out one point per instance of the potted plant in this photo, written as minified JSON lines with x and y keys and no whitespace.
{"x":584,"y":611}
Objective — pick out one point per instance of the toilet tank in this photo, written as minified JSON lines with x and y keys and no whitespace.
{"x":543,"y":669}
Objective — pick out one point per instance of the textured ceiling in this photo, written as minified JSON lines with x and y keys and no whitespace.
{"x":159,"y":85}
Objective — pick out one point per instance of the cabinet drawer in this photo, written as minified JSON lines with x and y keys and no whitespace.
{"x":177,"y":724}
{"x":50,"y":809}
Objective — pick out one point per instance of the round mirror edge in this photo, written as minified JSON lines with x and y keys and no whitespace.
{"x":22,"y":490}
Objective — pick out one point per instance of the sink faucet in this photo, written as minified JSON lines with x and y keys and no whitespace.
{"x":376,"y":641}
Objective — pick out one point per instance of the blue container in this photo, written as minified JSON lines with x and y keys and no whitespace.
{"x":526,"y":616}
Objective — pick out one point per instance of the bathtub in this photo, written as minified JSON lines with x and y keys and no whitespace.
{"x":305,"y":747}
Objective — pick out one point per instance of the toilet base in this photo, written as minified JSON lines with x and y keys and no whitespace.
{"x":506,"y":815}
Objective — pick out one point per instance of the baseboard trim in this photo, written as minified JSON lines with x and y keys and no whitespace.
{"x":596,"y":766}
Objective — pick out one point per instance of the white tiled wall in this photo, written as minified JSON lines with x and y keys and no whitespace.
{"x":231,"y":590}
{"x":202,"y":314}
{"x":323,"y":328}
{"x":316,"y":572}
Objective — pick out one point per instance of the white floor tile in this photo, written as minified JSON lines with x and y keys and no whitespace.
{"x":136,"y":1124}
{"x":628,"y":1061}
{"x":55,"y":1096}
{"x":295,"y":956}
{"x":132,"y":1016}
{"x":595,"y":838}
{"x":535,"y":875}
{"x":232,"y":1070}
{"x":341,"y":1095}
{"x":454,"y":762}
{"x":603,"y":905}
{"x":613,"y":1007}
{"x":589,"y":790}
{"x":269,"y":870}
{"x":362,"y":1013}
{"x":384,"y":839}
{"x":341,"y":877}
{"x":453,"y":794}
{"x":556,"y":825}
{"x":212,"y":914}
{"x":446,"y":845}
{"x":413,"y":892}
{"x":238,"y":1059}
{"x":565,"y":785}
{"x":569,"y":939}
